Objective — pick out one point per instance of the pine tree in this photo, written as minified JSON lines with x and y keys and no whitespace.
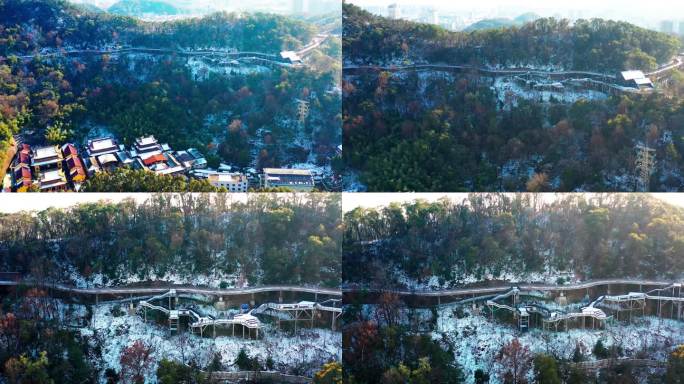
{"x":481,"y":377}
{"x":546,"y":370}
{"x":577,"y":376}
{"x":243,"y":361}
{"x":600,"y":351}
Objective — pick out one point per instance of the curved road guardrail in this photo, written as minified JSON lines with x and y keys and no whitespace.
{"x":250,"y":376}
{"x":178,"y":288}
{"x":506,"y":287}
{"x":607,"y":363}
{"x":677,"y":62}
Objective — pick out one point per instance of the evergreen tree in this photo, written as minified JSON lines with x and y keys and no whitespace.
{"x":600,"y":351}
{"x":243,"y":361}
{"x":546,"y":370}
{"x":577,"y":376}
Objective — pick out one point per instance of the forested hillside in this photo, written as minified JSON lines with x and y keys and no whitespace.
{"x":57,"y":23}
{"x":223,"y":115}
{"x":503,"y":22}
{"x":492,"y":236}
{"x":181,"y":235}
{"x":595,"y":45}
{"x":435,"y":130}
{"x":381,"y":348}
{"x":240,"y":118}
{"x":429,"y":132}
{"x":258,"y":32}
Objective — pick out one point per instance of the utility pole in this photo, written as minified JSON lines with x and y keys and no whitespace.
{"x":302,"y":111}
{"x":645,"y":164}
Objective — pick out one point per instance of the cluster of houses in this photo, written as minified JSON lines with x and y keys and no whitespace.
{"x":105,"y":154}
{"x":55,"y":168}
{"x":49,"y":168}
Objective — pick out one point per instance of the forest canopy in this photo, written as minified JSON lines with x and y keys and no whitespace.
{"x":46,"y":86}
{"x":266,"y":239}
{"x":437,"y":130}
{"x":590,"y":236}
{"x":429,"y":132}
{"x":59,"y":23}
{"x":595,"y":45}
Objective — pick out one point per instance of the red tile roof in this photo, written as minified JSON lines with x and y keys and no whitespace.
{"x":22,"y":173}
{"x":76,"y":171}
{"x":74,"y":162}
{"x":24,"y":158}
{"x":154,"y":159}
{"x":69,"y":149}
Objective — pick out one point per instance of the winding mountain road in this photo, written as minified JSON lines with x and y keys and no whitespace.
{"x":677,"y":62}
{"x":179,"y":288}
{"x":316,"y":42}
{"x":503,"y":288}
{"x":250,"y":376}
{"x":608,"y":363}
{"x":183,"y":289}
{"x":484,"y":71}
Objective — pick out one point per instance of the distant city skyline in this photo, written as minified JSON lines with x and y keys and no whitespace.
{"x":651,"y":14}
{"x":207,"y":6}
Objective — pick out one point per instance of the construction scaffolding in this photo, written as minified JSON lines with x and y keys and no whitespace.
{"x":645,"y":165}
{"x":628,"y":304}
{"x":637,"y":301}
{"x":671,"y":295}
{"x":561,"y":319}
{"x":248,"y":323}
{"x":303,"y":311}
{"x":668,"y":303}
{"x":302,"y":111}
{"x":198,"y":321}
{"x":550,"y":318}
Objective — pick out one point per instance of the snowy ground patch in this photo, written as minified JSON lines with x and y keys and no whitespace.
{"x":477,"y":339}
{"x":509,"y":92}
{"x":216,"y":279}
{"x":308,"y":350}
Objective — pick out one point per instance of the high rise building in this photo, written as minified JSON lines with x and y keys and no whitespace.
{"x":393,"y":11}
{"x":681,"y":27}
{"x":300,"y":6}
{"x":575,"y":14}
{"x":667,"y":26}
{"x":433,"y":16}
{"x":318,"y":7}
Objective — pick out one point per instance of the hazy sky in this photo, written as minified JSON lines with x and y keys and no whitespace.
{"x":15,"y":202}
{"x":662,"y":7}
{"x":615,"y":9}
{"x":372,"y":200}
{"x":203,"y":6}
